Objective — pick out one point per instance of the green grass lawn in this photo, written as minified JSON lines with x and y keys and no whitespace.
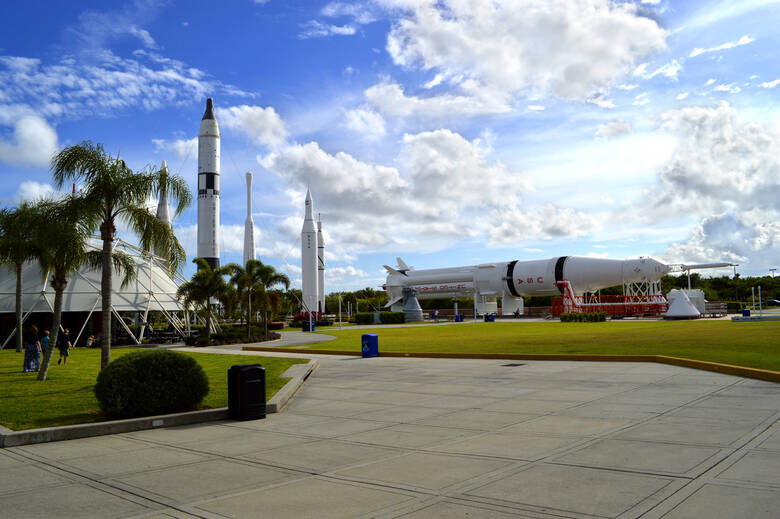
{"x":66,"y":396}
{"x":755,"y":345}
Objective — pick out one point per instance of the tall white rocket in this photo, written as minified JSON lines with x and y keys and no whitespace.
{"x":320,"y":266}
{"x":162,"y":205}
{"x":249,"y":225}
{"x":208,"y":187}
{"x":309,"y":259}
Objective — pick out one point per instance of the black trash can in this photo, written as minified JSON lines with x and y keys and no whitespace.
{"x":246,"y":392}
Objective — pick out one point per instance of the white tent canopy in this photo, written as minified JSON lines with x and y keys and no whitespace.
{"x":153,"y":289}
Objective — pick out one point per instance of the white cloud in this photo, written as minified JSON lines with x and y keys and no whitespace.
{"x":315,"y":29}
{"x":602,"y":101}
{"x":771,"y":84}
{"x":730,"y":88}
{"x":549,"y":221}
{"x":262,"y":125}
{"x":30,"y":190}
{"x":710,"y":82}
{"x":524,"y":46}
{"x":669,"y":70}
{"x":33,"y":143}
{"x":721,"y":164}
{"x":728,"y":45}
{"x":389,"y":98}
{"x":536,"y":108}
{"x":626,"y":86}
{"x":682,"y":96}
{"x":182,"y":148}
{"x":359,"y":13}
{"x":367,"y":123}
{"x":338,"y":273}
{"x":613,"y":129}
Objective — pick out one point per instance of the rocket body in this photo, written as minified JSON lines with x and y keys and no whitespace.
{"x":320,"y":266}
{"x":309,"y":286}
{"x":249,"y":224}
{"x":208,"y":187}
{"x":515,"y":279}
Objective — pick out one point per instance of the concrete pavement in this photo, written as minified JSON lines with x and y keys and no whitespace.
{"x":414,"y":438}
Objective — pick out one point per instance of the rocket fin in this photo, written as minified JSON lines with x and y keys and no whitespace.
{"x":394,"y":271}
{"x":393,"y":301}
{"x":403,"y":267}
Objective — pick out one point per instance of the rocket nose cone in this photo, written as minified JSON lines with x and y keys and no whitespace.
{"x":209,"y":114}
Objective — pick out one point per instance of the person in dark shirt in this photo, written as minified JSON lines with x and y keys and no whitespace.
{"x":63,"y":344}
{"x":32,"y":349}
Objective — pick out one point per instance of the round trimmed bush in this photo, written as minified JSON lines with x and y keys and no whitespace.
{"x":150,"y":382}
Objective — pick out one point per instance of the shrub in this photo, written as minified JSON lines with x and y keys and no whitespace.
{"x":202,"y":341}
{"x":364,"y":318}
{"x":323,"y":322}
{"x":576,"y":317}
{"x":392,"y":317}
{"x":150,"y":382}
{"x":274,"y":325}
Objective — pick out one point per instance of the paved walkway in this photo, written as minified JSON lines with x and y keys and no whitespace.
{"x":444,"y":438}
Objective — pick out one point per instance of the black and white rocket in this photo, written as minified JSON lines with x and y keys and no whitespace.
{"x":309,"y":284}
{"x":208,"y":187}
{"x":249,"y":224}
{"x":320,"y":266}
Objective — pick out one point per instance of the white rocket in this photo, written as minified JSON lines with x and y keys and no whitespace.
{"x":309,"y":284}
{"x":320,"y":266}
{"x":249,"y":225}
{"x":162,"y":205}
{"x":514,"y":279}
{"x":208,"y":187}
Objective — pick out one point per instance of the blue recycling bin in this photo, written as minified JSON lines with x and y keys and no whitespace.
{"x":370,"y":345}
{"x":458,"y":318}
{"x":746,"y":312}
{"x":308,"y":327}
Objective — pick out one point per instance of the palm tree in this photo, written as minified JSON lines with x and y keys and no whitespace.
{"x":114,"y":193}
{"x":65,"y":228}
{"x":267,"y":277}
{"x":17,"y":246}
{"x":244,"y":283}
{"x":204,"y":285}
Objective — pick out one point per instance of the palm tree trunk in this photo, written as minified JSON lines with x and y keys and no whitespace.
{"x":55,"y":330}
{"x":18,"y":307}
{"x":265,"y":321}
{"x":105,"y":295}
{"x":208,"y":319}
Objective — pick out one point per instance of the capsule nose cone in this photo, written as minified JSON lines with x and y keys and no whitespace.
{"x":209,"y":114}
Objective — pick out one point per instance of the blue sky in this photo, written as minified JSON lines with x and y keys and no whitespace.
{"x":445,"y":132}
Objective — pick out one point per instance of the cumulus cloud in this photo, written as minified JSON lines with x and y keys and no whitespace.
{"x":33,"y":143}
{"x":315,"y":29}
{"x":390,"y":98}
{"x":721,"y":164}
{"x":348,"y":272}
{"x":682,"y":96}
{"x":30,"y":191}
{"x":614,"y":128}
{"x":262,"y":125}
{"x":748,"y":239}
{"x":669,"y":70}
{"x":602,"y":101}
{"x":728,"y":45}
{"x":509,"y":226}
{"x":523,"y":45}
{"x":367,"y":123}
{"x":182,"y":148}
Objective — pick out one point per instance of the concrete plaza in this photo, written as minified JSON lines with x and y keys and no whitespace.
{"x":444,"y":438}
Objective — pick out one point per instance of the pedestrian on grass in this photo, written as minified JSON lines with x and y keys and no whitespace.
{"x":45,"y":340}
{"x":64,"y":347}
{"x":32,"y":349}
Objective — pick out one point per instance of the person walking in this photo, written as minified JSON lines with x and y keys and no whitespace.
{"x":64,"y":347}
{"x":45,"y":340}
{"x":32,"y":349}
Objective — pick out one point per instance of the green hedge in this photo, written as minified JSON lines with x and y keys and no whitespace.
{"x":392,"y":317}
{"x":364,"y":318}
{"x":150,"y":382}
{"x":591,"y":317}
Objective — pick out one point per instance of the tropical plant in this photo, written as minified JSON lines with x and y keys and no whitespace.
{"x":63,"y":231}
{"x":204,"y":285}
{"x":17,"y":246}
{"x":114,"y":194}
{"x":254,"y":283}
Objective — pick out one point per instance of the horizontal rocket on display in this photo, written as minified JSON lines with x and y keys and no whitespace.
{"x":514,"y":279}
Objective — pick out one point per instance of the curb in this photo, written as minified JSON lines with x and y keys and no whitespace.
{"x":728,"y":369}
{"x":10,"y":438}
